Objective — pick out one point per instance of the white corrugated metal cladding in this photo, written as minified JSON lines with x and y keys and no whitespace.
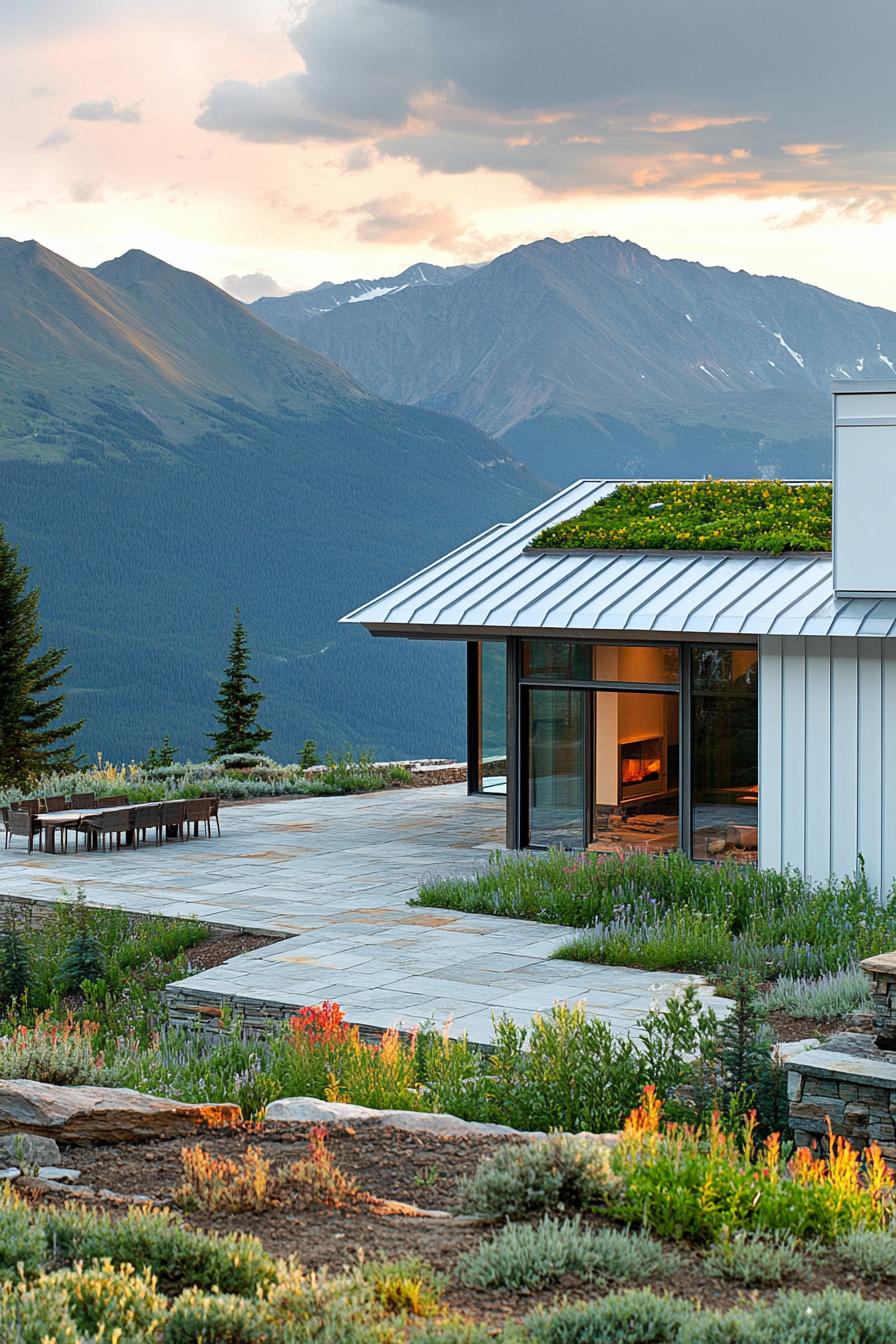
{"x":494,"y":585}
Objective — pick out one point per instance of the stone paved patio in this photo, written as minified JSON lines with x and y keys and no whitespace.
{"x":334,"y":875}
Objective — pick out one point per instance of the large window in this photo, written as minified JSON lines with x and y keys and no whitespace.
{"x":645,"y":747}
{"x":487,"y":717}
{"x":493,"y":716}
{"x":556,"y":660}
{"x":556,"y":768}
{"x":725,"y":753}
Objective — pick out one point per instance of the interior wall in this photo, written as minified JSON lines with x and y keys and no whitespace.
{"x":827,"y":755}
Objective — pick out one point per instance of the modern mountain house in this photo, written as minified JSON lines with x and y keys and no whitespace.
{"x":734,"y":702}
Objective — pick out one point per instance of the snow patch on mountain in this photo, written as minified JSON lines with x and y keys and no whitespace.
{"x":376,"y":293}
{"x":794,"y":354}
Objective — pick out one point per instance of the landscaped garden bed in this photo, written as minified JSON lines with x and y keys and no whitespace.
{"x":244,"y":777}
{"x":586,"y":1239}
{"x":803,"y":940}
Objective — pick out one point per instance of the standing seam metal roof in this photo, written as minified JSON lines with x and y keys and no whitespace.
{"x":493,"y":583}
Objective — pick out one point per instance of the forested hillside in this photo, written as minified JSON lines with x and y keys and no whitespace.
{"x":148,"y":509}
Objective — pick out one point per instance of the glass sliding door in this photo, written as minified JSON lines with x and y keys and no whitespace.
{"x":556,"y":768}
{"x":725,"y":753}
{"x":493,"y":716}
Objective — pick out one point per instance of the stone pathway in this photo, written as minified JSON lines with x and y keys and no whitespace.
{"x":334,"y":875}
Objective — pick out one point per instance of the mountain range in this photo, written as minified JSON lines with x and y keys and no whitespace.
{"x":290,"y":312}
{"x":166,"y":456}
{"x":597,"y":358}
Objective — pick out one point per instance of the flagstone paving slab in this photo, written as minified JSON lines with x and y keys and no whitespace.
{"x":334,"y":875}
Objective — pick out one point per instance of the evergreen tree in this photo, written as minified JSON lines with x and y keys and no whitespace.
{"x":31,"y":740}
{"x":15,"y":961}
{"x":237,"y":703}
{"x":166,"y":755}
{"x":309,"y":756}
{"x":83,"y":958}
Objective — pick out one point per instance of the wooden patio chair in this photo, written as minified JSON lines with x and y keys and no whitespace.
{"x":213,"y":804}
{"x":83,"y":800}
{"x":54,"y":804}
{"x":115,"y":821}
{"x":25,"y":824}
{"x":147,"y":817}
{"x":197,"y":812}
{"x":173,"y":819}
{"x":113,"y":800}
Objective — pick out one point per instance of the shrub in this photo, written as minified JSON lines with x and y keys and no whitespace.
{"x":561,"y":1172}
{"x":408,"y":1287}
{"x":235,"y":1185}
{"x":871,"y":1253}
{"x":832,"y":995}
{"x":381,"y":1074}
{"x":685,"y":1183}
{"x":23,"y":1241}
{"x":106,"y":1297}
{"x":571,"y":1072}
{"x":527,"y":1256}
{"x":156,"y":1240}
{"x":225,"y":1184}
{"x":243,"y":760}
{"x":36,"y":1313}
{"x":220,"y":1318}
{"x":452,"y":1330}
{"x":831,"y":1317}
{"x":755,"y":1259}
{"x":316,"y":1179}
{"x":52,"y":1052}
{"x":635,"y":1317}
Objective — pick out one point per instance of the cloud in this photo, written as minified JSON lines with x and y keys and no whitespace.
{"x":254,"y":286}
{"x":85,"y":189}
{"x":589,"y":95}
{"x":106,"y":109}
{"x":41,"y":91}
{"x":55,"y":138}
{"x":357,"y":159}
{"x":807,"y":151}
{"x":266,"y":113}
{"x":399,"y":219}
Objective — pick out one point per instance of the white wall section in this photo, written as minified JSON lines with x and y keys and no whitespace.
{"x":827,"y":755}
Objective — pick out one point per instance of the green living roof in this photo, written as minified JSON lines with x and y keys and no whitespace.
{"x":773,"y":517}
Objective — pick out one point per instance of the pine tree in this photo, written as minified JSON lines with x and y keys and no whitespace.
{"x":237,"y":703}
{"x":309,"y":756}
{"x":15,"y":960}
{"x":83,"y":958}
{"x":31,"y":740}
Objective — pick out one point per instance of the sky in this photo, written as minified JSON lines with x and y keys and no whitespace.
{"x":273,"y":144}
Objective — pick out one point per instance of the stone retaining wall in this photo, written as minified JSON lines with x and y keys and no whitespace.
{"x":849,"y":1086}
{"x":849,"y":1082}
{"x":882,"y":973}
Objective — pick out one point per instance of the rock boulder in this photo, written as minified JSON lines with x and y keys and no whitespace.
{"x":101,"y":1114}
{"x":310,"y":1110}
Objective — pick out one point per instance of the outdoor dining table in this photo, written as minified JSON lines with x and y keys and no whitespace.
{"x":51,"y":822}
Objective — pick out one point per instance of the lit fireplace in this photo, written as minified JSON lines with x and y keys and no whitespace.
{"x":640,"y":767}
